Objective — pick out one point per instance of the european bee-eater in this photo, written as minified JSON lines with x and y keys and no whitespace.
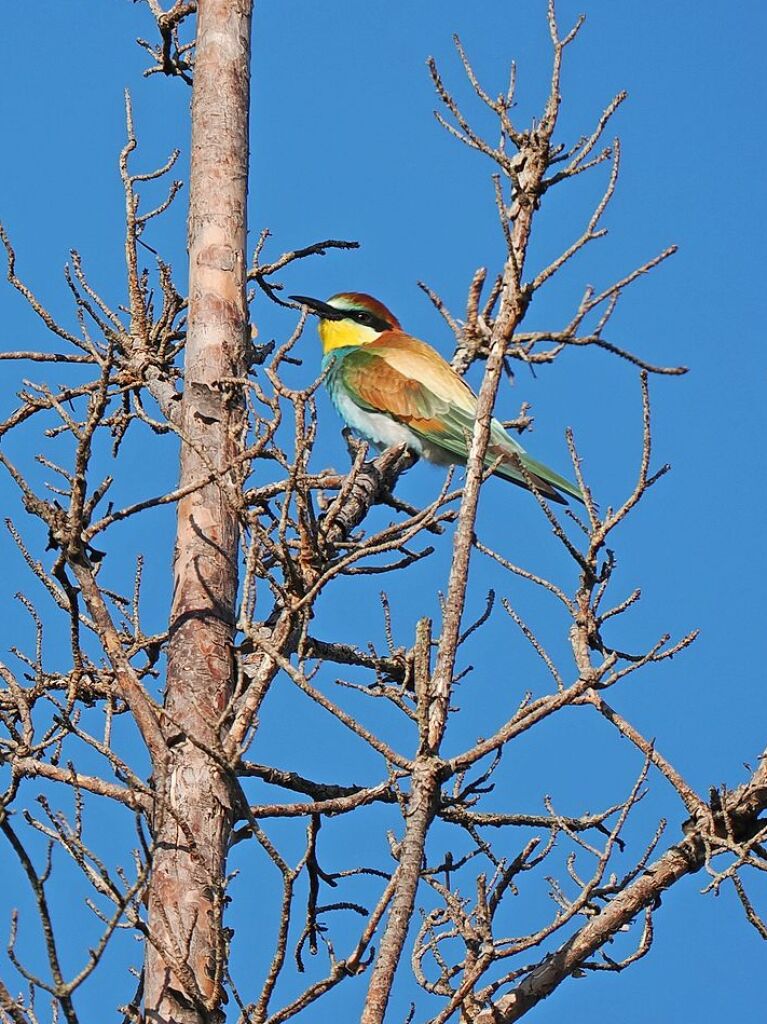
{"x":392,"y":389}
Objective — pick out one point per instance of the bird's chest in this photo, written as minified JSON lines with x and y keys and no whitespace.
{"x":377,"y":427}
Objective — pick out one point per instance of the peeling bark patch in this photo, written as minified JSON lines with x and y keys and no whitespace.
{"x":220,"y":311}
{"x":207,"y":403}
{"x":207,"y":419}
{"x":221,"y":257}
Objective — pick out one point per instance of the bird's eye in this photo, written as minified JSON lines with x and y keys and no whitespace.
{"x":364,"y":318}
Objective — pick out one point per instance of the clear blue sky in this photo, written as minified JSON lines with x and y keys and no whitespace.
{"x":344,"y":145}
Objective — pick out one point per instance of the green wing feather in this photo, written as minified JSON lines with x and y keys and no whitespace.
{"x":411,"y":382}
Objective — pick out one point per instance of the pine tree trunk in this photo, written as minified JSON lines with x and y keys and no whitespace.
{"x":193,"y":812}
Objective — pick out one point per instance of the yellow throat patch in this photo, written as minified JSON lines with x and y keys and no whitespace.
{"x":344,"y":334}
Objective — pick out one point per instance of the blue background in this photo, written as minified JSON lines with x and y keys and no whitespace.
{"x":344,"y":145}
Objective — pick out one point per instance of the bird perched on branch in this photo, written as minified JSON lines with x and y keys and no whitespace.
{"x":391,"y":388}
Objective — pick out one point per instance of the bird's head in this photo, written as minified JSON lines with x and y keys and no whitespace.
{"x":350,"y":318}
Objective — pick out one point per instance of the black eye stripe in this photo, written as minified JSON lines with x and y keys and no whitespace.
{"x":370,"y":320}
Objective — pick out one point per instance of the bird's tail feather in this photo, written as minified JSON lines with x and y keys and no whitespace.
{"x":551,"y":485}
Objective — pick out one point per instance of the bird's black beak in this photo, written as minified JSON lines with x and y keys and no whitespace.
{"x":322,"y":309}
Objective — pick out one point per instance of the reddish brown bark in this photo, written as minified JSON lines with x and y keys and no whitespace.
{"x":193,"y":816}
